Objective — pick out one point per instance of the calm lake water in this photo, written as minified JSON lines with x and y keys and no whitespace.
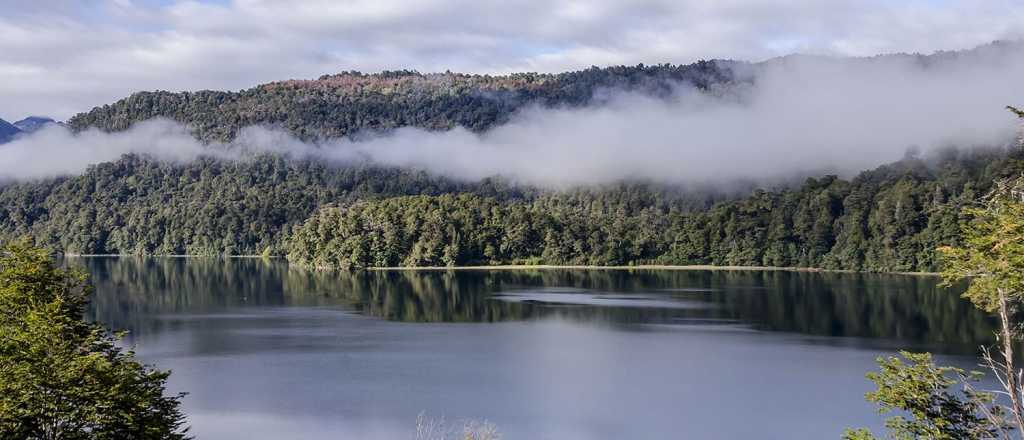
{"x":269,"y":351}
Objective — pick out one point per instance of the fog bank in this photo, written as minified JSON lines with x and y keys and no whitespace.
{"x":799,"y":115}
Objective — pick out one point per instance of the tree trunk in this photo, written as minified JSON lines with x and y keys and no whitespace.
{"x":1012,"y":385}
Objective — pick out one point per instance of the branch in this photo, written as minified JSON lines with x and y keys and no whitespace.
{"x":998,"y":422}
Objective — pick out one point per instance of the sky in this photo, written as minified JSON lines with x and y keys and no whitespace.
{"x":61,"y":57}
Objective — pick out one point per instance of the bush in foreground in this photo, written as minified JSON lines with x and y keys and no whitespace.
{"x":62,"y":377}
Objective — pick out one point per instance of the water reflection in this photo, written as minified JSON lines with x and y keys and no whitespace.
{"x":905,"y":309}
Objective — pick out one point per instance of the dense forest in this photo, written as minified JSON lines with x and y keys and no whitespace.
{"x":138,"y":205}
{"x":888,"y":219}
{"x":347,"y":103}
{"x":362,"y":215}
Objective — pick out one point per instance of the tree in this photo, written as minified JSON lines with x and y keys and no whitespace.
{"x":991,"y":259}
{"x":924,"y":391}
{"x":62,"y":377}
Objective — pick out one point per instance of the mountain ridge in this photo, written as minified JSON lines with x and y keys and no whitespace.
{"x":7,"y":131}
{"x":32,"y":124}
{"x":343,"y":104}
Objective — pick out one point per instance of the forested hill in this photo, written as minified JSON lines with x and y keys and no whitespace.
{"x":137,"y":205}
{"x":343,"y":104}
{"x":888,"y":219}
{"x":360,"y":215}
{"x":339,"y":105}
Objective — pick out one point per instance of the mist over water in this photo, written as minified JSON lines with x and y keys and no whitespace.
{"x":799,"y":114}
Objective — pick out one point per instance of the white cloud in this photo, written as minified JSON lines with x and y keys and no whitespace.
{"x":61,"y":57}
{"x":801,"y":115}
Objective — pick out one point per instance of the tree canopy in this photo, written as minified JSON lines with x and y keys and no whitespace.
{"x":911,"y":384}
{"x":64,"y":378}
{"x":347,"y":103}
{"x":888,"y":219}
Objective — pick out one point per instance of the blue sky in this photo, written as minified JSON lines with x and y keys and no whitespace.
{"x":61,"y":57}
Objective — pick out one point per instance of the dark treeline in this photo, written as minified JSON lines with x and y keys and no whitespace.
{"x":888,"y":219}
{"x":206,"y":207}
{"x":468,"y":229}
{"x":340,"y":105}
{"x":245,"y":207}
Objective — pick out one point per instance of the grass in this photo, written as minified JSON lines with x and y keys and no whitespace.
{"x":431,"y":428}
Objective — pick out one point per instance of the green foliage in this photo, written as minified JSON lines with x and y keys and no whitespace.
{"x":923,"y":391}
{"x":207,"y":207}
{"x":64,"y":378}
{"x":992,"y":251}
{"x":344,"y":104}
{"x":889,"y":219}
{"x":858,"y":434}
{"x":990,"y":256}
{"x":471,"y":230}
{"x":992,"y":259}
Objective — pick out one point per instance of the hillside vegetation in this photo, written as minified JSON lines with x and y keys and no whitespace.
{"x":344,"y":104}
{"x":360,"y":215}
{"x":888,"y":219}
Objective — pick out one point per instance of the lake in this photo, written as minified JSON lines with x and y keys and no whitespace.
{"x":269,"y":351}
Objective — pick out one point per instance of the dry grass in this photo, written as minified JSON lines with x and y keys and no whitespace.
{"x":430,"y":428}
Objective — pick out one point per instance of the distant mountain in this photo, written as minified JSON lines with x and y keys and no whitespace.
{"x":7,"y":131}
{"x":33,"y":123}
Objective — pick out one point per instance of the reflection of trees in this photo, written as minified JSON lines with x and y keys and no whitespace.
{"x":465,"y":296}
{"x":852,"y":305}
{"x":406,"y":296}
{"x":860,"y":305}
{"x":129,"y":289}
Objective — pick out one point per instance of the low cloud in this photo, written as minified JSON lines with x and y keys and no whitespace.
{"x":54,"y":150}
{"x":61,"y":57}
{"x":799,"y":115}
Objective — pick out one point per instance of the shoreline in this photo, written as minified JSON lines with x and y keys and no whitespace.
{"x":665,"y":267}
{"x":165,"y":256}
{"x":509,"y":267}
